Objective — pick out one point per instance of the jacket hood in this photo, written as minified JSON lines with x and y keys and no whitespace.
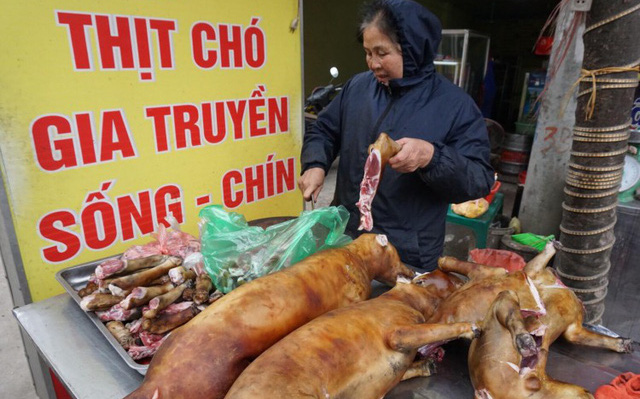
{"x":419,"y":36}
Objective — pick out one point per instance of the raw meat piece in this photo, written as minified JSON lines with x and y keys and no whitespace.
{"x":380,"y":152}
{"x":117,"y":312}
{"x":168,"y":242}
{"x":141,"y":352}
{"x":149,"y":339}
{"x":135,"y":326}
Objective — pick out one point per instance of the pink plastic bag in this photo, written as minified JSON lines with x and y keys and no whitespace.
{"x":508,"y":260}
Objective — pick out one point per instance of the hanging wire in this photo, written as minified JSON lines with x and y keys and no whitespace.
{"x":563,"y":46}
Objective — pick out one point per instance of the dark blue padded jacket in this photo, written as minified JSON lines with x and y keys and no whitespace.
{"x":410,"y":208}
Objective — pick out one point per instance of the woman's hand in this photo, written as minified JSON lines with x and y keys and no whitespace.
{"x":310,"y":183}
{"x":415,"y":154}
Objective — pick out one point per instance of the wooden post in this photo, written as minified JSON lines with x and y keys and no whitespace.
{"x":542,"y":193}
{"x":598,"y":149}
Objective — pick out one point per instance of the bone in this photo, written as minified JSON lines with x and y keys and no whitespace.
{"x":145,"y":277}
{"x":162,"y":301}
{"x":120,"y":267}
{"x":142,"y":295}
{"x":117,"y":312}
{"x":179,"y":275}
{"x":99,"y":301}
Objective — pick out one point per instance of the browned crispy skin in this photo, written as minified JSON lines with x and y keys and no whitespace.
{"x":161,"y":280}
{"x":203,"y":287}
{"x":90,"y":288}
{"x":166,"y":322}
{"x":202,"y":358}
{"x":121,"y":333}
{"x":188,"y":293}
{"x":504,"y":340}
{"x":360,"y":351}
{"x":98,"y":301}
{"x":562,"y":316}
{"x":387,"y":147}
{"x":471,"y":302}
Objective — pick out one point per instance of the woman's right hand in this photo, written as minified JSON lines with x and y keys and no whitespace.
{"x":310,"y":183}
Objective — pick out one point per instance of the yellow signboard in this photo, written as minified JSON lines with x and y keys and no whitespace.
{"x":115,"y":115}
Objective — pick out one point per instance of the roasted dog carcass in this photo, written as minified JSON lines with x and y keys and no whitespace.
{"x":539,"y":291}
{"x":203,"y":358}
{"x":360,"y":351}
{"x":549,"y":308}
{"x":506,"y":361}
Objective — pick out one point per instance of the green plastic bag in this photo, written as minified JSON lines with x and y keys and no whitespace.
{"x":532,"y":240}
{"x":235,"y":253}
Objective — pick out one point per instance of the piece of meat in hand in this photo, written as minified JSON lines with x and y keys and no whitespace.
{"x":380,"y":152}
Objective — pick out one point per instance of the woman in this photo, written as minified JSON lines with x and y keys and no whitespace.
{"x":445,"y":147}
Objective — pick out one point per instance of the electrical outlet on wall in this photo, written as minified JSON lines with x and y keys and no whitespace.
{"x":581,"y":5}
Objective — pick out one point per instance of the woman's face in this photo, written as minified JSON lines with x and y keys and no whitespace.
{"x":384,"y":57}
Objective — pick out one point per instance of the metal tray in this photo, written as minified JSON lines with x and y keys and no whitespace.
{"x":75,"y":278}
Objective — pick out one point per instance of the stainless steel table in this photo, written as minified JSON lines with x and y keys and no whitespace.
{"x":75,"y":350}
{"x":90,"y":368}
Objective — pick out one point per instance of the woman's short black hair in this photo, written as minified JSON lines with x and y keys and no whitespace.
{"x":378,"y":14}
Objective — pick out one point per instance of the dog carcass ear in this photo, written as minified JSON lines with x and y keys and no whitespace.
{"x":382,"y":240}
